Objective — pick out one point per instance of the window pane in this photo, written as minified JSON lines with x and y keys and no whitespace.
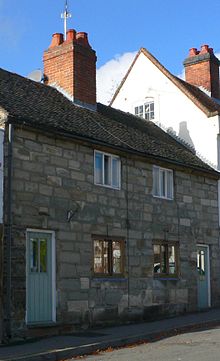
{"x":107,"y":170}
{"x":162,"y":183}
{"x":101,"y":261}
{"x":43,"y":255}
{"x":116,"y":257}
{"x":156,"y":181}
{"x":169,"y":184}
{"x":146,"y":111}
{"x":147,"y":116}
{"x":149,"y":110}
{"x":105,"y":252}
{"x":163,"y":259}
{"x":34,"y":255}
{"x":98,"y":168}
{"x":115,"y":172}
{"x":151,"y":115}
{"x":171,"y":260}
{"x":98,"y":268}
{"x":201,"y":263}
{"x":156,"y":259}
{"x":141,"y":110}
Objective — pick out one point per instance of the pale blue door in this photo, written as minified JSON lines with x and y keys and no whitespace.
{"x":39,"y":277}
{"x":203,"y":276}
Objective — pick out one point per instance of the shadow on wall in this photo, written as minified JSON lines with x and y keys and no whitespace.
{"x":184,"y":133}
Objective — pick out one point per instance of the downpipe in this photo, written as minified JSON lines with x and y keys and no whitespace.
{"x":8,"y":234}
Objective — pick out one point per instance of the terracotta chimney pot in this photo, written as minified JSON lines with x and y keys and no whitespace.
{"x":204,"y":49}
{"x":57,"y":39}
{"x":193,"y":52}
{"x":82,"y":38}
{"x":71,"y":35}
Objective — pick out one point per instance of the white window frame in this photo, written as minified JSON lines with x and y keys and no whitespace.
{"x":149,"y":112}
{"x":111,"y":157}
{"x":163,"y":171}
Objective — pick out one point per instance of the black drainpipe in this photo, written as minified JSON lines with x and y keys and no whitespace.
{"x":8,"y":232}
{"x":127,"y":241}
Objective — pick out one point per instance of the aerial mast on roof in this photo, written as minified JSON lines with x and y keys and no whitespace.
{"x":65,"y":15}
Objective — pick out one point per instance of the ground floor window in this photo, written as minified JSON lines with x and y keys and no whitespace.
{"x":166,"y":258}
{"x":108,"y":259}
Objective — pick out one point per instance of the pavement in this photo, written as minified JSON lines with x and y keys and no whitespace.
{"x":84,"y":343}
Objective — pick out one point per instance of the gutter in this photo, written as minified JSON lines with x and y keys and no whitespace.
{"x":8,"y":232}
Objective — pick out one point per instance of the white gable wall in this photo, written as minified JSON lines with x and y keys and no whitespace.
{"x":172,"y":107}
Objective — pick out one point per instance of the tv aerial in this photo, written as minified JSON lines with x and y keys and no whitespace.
{"x":65,"y":16}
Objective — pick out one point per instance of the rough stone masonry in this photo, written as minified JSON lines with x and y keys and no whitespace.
{"x":52,"y":175}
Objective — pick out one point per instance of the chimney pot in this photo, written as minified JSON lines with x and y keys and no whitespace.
{"x":71,"y":35}
{"x":57,"y":39}
{"x":82,"y":39}
{"x":204,"y":49}
{"x":193,"y":52}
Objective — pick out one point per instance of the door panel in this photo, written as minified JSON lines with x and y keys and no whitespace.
{"x":203,"y":276}
{"x":39,"y":277}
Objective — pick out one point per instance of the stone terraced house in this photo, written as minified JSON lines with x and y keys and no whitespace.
{"x":106,"y":217}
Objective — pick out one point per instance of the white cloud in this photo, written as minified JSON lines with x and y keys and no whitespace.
{"x":110,"y":75}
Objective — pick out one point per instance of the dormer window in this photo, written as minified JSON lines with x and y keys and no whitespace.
{"x":145,"y":110}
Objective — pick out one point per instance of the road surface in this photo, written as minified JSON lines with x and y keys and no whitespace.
{"x":196,"y":346}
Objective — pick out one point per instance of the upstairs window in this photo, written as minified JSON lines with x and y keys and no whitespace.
{"x":162,"y":182}
{"x":107,"y":170}
{"x":166,"y":258}
{"x":108,"y":257}
{"x":145,"y":111}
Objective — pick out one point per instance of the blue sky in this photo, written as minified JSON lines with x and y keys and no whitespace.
{"x":166,"y":28}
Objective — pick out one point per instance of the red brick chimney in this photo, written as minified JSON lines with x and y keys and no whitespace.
{"x":71,"y":67}
{"x":202,"y":69}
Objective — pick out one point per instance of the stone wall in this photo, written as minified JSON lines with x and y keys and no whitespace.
{"x":53,"y":175}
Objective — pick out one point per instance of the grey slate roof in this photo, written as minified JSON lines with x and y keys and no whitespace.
{"x":41,"y":106}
